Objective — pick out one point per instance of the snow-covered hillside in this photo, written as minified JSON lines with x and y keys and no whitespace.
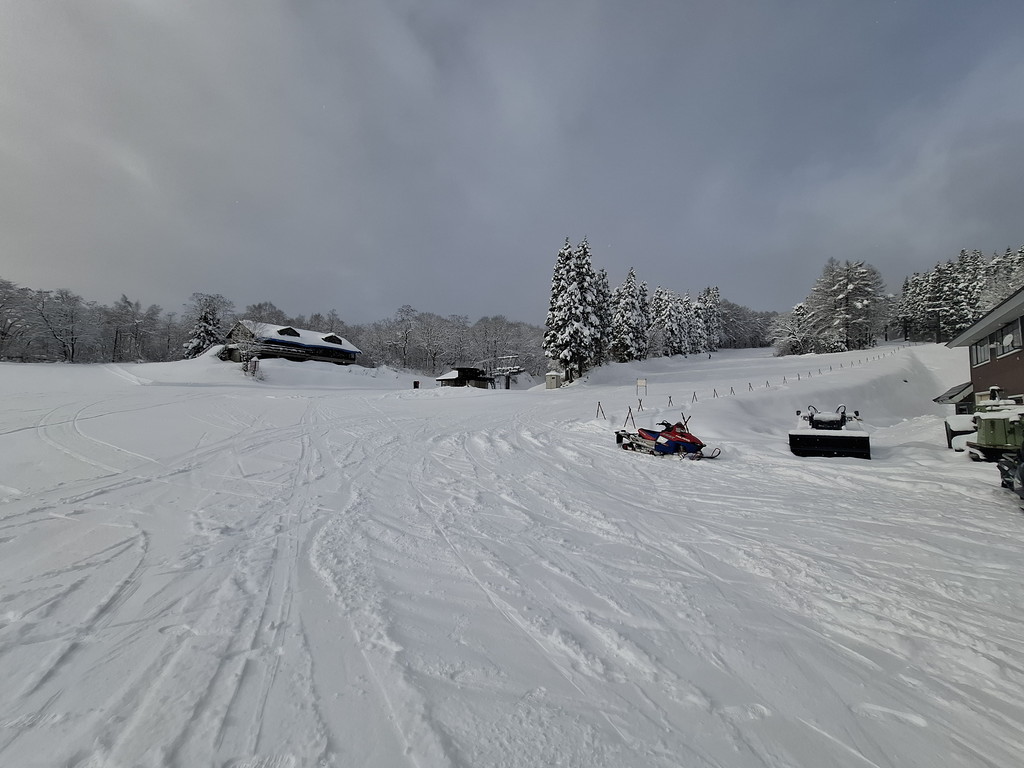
{"x":331,"y":568}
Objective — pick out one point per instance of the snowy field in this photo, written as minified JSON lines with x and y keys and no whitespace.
{"x":331,"y":568}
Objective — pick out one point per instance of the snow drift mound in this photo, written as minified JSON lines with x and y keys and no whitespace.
{"x":750,"y":401}
{"x":888,"y":391}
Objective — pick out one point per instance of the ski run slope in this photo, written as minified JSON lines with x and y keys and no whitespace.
{"x":331,"y":568}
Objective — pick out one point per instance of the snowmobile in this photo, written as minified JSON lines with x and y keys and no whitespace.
{"x":830,"y":434}
{"x":672,"y":439}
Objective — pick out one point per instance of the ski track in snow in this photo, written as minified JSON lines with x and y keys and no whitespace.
{"x":273,"y":576}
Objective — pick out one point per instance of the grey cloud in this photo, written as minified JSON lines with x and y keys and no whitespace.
{"x":364,"y":155}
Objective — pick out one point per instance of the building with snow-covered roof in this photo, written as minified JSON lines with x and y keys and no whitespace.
{"x":466,"y":377}
{"x":997,"y":350}
{"x":249,"y":339}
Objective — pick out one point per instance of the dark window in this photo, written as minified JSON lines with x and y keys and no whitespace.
{"x":1008,"y":338}
{"x":980,"y":352}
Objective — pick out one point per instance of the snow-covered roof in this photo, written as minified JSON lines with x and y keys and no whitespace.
{"x":476,"y":374}
{"x":292,"y":335}
{"x":1006,"y":311}
{"x":956,"y":394}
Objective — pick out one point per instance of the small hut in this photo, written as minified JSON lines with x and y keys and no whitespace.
{"x":466,"y":377}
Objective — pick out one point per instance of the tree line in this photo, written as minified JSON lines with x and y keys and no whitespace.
{"x":939,"y":304}
{"x":848,"y":307}
{"x":50,"y":326}
{"x":589,"y":324}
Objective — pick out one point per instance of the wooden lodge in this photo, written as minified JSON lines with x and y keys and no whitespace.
{"x":249,"y":339}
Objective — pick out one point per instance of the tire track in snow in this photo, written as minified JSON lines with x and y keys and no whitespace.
{"x":551,"y":636}
{"x":215,"y":588}
{"x":341,"y":560}
{"x":618,"y":534}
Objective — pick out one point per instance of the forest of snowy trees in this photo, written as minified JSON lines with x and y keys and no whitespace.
{"x":588,"y":324}
{"x":52,"y":326}
{"x":937,"y":305}
{"x":848,"y":307}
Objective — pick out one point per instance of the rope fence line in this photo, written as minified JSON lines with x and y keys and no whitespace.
{"x":767,"y":384}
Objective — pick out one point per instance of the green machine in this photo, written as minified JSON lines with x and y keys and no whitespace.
{"x":1000,"y":430}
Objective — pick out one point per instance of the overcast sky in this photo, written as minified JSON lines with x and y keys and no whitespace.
{"x":365,"y":154}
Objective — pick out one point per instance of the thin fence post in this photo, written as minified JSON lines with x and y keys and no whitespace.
{"x":600,"y":411}
{"x":694,"y":398}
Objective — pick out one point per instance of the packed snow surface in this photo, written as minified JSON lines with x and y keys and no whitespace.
{"x":330,"y":567}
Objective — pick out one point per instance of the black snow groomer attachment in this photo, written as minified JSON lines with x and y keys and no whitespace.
{"x":673,"y":439}
{"x":1011,"y":471}
{"x":830,"y":434}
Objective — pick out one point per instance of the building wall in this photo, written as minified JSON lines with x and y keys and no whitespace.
{"x":1006,"y":372}
{"x":997,"y":360}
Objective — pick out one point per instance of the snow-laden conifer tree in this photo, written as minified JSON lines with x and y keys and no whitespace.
{"x":673,"y":325}
{"x":558,"y":319}
{"x":588,"y":314}
{"x":629,"y":321}
{"x":1003,"y":276}
{"x":967,"y":282}
{"x":904,"y":311}
{"x":709,"y":311}
{"x":694,"y":329}
{"x":644,"y":318}
{"x":941,"y":303}
{"x":208,"y":311}
{"x":603,"y":310}
{"x":916,"y":309}
{"x":572,"y":324}
{"x":656,"y":329}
